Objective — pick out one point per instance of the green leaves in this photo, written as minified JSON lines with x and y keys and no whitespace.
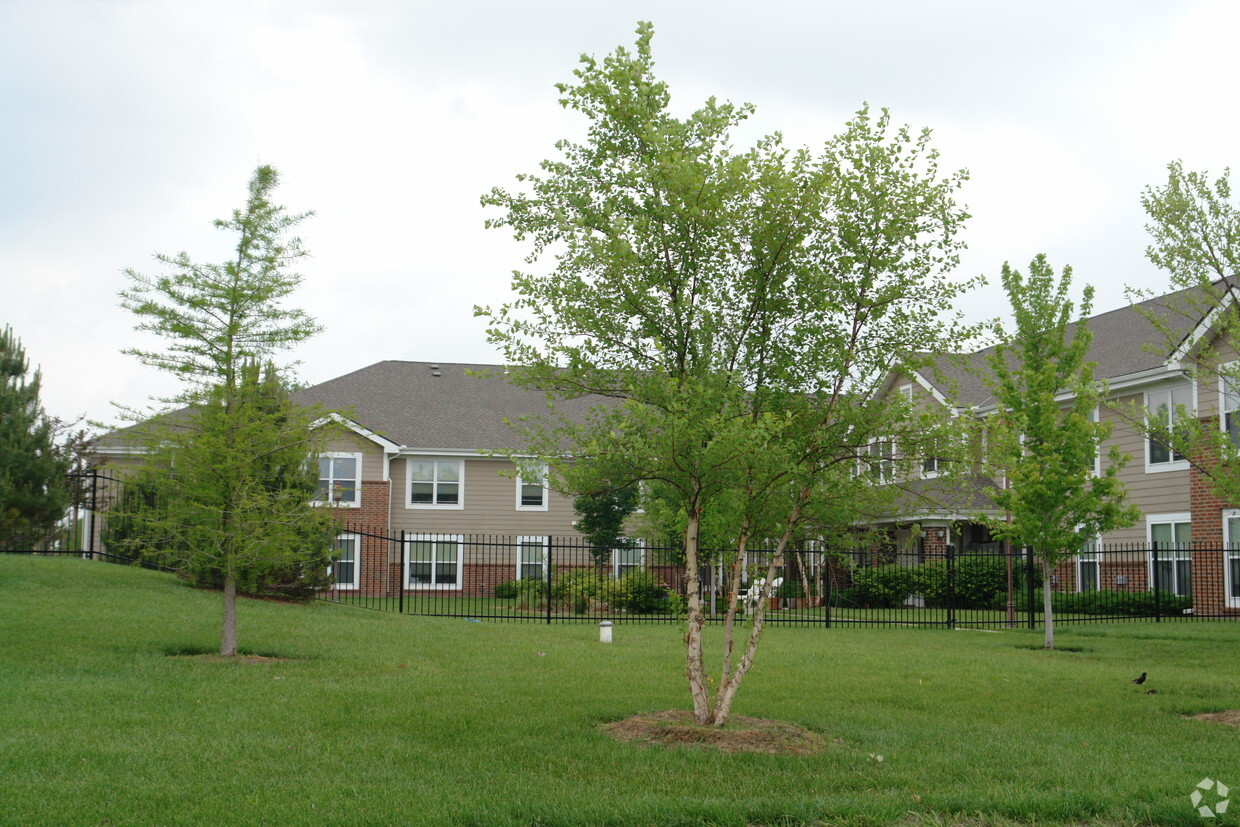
{"x":1045,"y":432}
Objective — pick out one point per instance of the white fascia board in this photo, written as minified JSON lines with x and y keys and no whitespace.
{"x":1142,"y":378}
{"x":387,"y":445}
{"x":121,"y":450}
{"x":406,"y":451}
{"x":1197,"y":335}
{"x":933,"y":391}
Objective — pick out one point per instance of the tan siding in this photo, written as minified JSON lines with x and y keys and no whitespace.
{"x":372,"y":454}
{"x":490,"y":506}
{"x":1156,"y":493}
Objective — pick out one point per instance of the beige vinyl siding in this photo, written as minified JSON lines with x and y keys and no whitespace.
{"x":1208,"y":382}
{"x":1158,"y":493}
{"x":372,"y":454}
{"x":489,"y":505}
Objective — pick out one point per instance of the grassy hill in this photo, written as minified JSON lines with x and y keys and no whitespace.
{"x":374,"y":718}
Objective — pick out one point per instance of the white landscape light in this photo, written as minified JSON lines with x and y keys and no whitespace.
{"x":604,"y":632}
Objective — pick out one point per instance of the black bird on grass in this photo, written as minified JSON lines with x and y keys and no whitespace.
{"x":1139,"y":680}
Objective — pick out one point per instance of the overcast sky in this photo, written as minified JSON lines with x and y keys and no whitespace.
{"x":129,"y":126}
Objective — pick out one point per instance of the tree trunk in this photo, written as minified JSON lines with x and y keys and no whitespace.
{"x":1048,"y":622}
{"x":228,"y":629}
{"x":694,"y":668}
{"x":805,"y":589}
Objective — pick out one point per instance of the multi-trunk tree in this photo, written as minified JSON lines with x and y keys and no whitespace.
{"x":738,"y":307}
{"x":1045,"y":434}
{"x":33,"y":489}
{"x":227,"y":470}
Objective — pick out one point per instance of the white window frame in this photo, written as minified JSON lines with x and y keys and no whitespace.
{"x":1231,"y":558}
{"x":872,"y":465}
{"x":1095,"y":416}
{"x":437,"y":540}
{"x":356,"y":456}
{"x":1089,"y":553}
{"x":1172,"y":464}
{"x":523,"y":480}
{"x":640,"y":547}
{"x":1178,"y":554}
{"x":460,"y":484}
{"x":1224,"y":392}
{"x":357,"y":560}
{"x":543,"y":542}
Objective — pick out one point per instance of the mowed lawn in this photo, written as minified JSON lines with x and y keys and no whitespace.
{"x":383,"y":719}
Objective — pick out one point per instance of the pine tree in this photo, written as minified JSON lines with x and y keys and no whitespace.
{"x":33,"y":493}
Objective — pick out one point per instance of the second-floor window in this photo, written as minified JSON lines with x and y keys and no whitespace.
{"x":532,"y":488}
{"x":340,"y":479}
{"x":1229,"y":403}
{"x":880,"y":457}
{"x":435,"y":483}
{"x":1164,"y":408}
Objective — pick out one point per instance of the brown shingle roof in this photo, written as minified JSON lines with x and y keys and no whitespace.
{"x":446,"y":409}
{"x":1121,"y":346}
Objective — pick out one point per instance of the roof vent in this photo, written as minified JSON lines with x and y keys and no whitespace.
{"x":435,"y":370}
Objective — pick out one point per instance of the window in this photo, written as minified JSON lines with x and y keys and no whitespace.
{"x":1087,"y":579}
{"x":1171,"y":555}
{"x":1231,"y":557}
{"x":1229,"y":402}
{"x":340,"y":479}
{"x":626,"y":559}
{"x":435,"y":483}
{"x":880,"y":460}
{"x":433,"y":561}
{"x":1163,"y":408}
{"x":531,"y":558}
{"x":532,"y":488}
{"x":1097,"y":467}
{"x":344,"y":566}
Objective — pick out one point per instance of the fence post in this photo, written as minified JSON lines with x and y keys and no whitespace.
{"x":951,"y":587}
{"x":1157,"y":581}
{"x":94,"y":510}
{"x":548,"y":576}
{"x":400,"y":575}
{"x":1029,"y":573}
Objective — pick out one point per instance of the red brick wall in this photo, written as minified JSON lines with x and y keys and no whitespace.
{"x":1207,"y":509}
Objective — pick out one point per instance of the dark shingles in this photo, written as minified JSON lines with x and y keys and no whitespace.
{"x":409,"y":404}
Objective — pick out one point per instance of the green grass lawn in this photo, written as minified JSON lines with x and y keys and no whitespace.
{"x":385,"y":719}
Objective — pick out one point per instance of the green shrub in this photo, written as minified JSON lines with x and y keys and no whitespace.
{"x":579,"y":590}
{"x":531,"y":594}
{"x":507,"y":591}
{"x":884,"y":587}
{"x":641,"y":592}
{"x":980,"y":580}
{"x":1109,"y":602}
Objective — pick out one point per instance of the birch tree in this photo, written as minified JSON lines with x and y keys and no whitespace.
{"x":738,"y":307}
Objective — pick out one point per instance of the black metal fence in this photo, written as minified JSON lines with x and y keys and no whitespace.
{"x":564,"y":579}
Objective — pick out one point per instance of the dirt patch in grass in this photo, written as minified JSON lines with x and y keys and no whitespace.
{"x":213,"y":656}
{"x":237,"y":659}
{"x":675,"y":728}
{"x":1230,"y":717}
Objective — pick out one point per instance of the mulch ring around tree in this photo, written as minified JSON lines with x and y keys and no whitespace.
{"x":1230,"y":717}
{"x":676,"y":728}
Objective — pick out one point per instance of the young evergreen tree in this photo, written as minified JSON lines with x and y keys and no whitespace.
{"x":1044,"y":444}
{"x":227,"y":467}
{"x":33,"y":489}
